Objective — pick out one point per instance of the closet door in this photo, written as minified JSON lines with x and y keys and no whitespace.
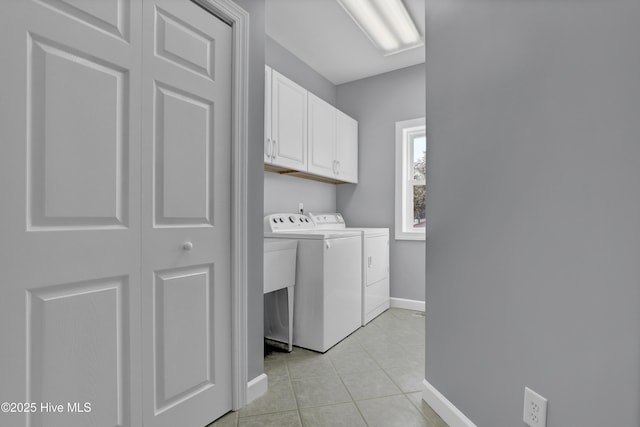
{"x":70,"y":215}
{"x":186,"y":158}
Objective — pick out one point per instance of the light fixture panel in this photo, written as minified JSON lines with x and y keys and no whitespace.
{"x":387,"y":23}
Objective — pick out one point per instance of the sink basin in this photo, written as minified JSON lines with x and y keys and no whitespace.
{"x":279,"y":263}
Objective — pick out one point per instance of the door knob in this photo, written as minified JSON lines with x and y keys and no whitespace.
{"x":187,"y":246}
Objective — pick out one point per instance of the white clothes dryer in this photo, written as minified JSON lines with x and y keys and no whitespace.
{"x":328,"y":296}
{"x":374,"y":262}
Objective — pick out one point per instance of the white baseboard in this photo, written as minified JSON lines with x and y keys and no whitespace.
{"x":257,"y":387}
{"x":449,"y":413}
{"x":407,"y":304}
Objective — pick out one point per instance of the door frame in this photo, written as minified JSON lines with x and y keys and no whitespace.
{"x":238,"y":19}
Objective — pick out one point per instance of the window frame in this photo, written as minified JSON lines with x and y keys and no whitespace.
{"x":406,"y":132}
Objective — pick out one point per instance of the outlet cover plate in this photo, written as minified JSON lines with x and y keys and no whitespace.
{"x":535,"y":409}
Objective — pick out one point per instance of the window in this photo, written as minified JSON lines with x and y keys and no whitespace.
{"x":411,"y":153}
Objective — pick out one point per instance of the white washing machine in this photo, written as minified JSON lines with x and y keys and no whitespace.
{"x":375,"y":262}
{"x":328,"y":296}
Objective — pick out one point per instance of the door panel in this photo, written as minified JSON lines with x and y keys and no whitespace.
{"x":183,"y":157}
{"x":110,"y":16}
{"x":186,"y":156}
{"x":184,"y":45}
{"x":79,"y":330}
{"x":77,"y":153}
{"x":184,"y":363}
{"x":69,"y":176}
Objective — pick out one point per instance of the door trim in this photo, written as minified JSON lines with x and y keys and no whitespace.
{"x":238,"y":18}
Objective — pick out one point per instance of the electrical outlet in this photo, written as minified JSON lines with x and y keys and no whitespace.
{"x":535,"y":409}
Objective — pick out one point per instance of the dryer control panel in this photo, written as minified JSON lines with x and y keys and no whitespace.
{"x":287,"y":222}
{"x":332,"y":221}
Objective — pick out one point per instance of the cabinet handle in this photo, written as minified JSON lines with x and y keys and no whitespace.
{"x":338,"y":166}
{"x":328,"y":245}
{"x":187,"y":246}
{"x":268,"y":148}
{"x":369,"y":261}
{"x":273,"y":149}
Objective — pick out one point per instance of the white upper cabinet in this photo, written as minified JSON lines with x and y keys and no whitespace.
{"x":346,"y":148}
{"x":321,"y":157}
{"x":332,"y":142}
{"x":285,"y":123}
{"x":306,"y":134}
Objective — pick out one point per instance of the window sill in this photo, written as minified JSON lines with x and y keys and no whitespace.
{"x":410,"y":236}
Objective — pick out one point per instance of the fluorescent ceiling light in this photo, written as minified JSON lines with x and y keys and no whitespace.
{"x":386,"y":22}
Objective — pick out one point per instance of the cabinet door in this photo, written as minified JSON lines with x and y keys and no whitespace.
{"x":268,"y":145}
{"x":347,"y":148}
{"x":288,"y":123}
{"x":322,"y":137}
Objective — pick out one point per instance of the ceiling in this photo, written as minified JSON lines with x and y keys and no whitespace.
{"x":321,"y":34}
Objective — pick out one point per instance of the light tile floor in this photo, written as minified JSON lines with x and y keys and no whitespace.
{"x":372,"y":378}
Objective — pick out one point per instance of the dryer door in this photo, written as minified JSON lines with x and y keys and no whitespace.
{"x":376,"y":258}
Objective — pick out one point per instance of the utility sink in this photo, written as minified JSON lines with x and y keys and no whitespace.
{"x":279,"y":264}
{"x":280,"y":272}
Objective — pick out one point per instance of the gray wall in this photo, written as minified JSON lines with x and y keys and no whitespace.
{"x":377,"y":103}
{"x":533,"y":219}
{"x":283,"y":193}
{"x":293,"y":68}
{"x":255,"y":165}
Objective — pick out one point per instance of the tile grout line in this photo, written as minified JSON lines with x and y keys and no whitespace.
{"x":389,"y":377}
{"x":353,"y":401}
{"x":295,"y":396}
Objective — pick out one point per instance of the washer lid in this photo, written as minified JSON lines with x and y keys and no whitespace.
{"x":272,"y":245}
{"x":313,"y":234}
{"x":335,"y":221}
{"x":370,"y":231}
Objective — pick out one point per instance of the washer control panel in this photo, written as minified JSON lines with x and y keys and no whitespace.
{"x":287,"y":222}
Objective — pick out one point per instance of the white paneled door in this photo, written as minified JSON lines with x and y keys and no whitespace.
{"x":114,"y":219}
{"x":186,"y":204}
{"x":70,"y":212}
